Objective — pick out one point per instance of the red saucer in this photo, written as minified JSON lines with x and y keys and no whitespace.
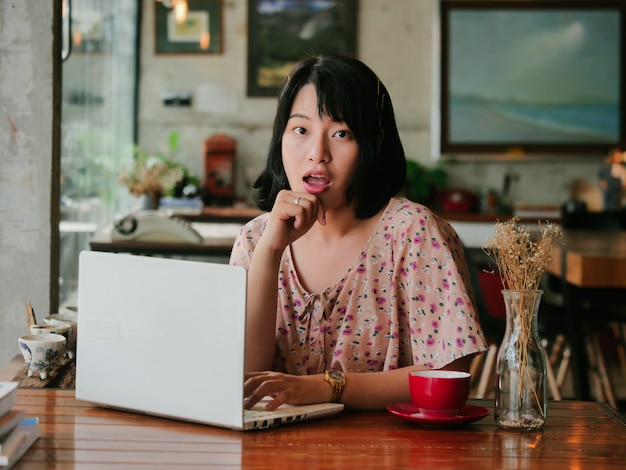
{"x":408,"y":411}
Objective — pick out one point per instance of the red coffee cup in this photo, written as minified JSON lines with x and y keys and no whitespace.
{"x":439,"y":393}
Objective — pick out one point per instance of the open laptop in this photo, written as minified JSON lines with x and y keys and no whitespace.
{"x":166,"y":337}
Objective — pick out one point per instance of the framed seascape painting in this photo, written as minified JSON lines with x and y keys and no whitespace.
{"x":199,"y":33}
{"x":283,"y":32}
{"x":532,"y":76}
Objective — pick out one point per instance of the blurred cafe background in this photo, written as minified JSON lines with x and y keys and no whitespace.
{"x":108,"y":107}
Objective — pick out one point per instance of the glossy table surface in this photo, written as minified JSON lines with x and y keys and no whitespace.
{"x":77,"y":435}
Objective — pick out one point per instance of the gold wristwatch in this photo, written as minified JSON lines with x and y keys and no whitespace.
{"x":337,"y":381}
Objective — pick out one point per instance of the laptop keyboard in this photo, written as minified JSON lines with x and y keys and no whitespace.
{"x":262,"y":418}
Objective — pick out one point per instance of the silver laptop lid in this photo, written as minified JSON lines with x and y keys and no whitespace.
{"x":162,"y":336}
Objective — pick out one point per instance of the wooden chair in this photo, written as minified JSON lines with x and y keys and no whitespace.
{"x":483,"y":373}
{"x":557,"y":357}
{"x":483,"y":366}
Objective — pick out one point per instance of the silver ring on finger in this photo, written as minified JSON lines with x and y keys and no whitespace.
{"x":297,"y":202}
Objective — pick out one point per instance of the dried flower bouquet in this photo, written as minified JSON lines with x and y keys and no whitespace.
{"x":521,"y":261}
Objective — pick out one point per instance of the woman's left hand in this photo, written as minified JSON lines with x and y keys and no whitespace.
{"x":285,"y":388}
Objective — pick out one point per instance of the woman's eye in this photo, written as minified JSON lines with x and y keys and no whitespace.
{"x":343,"y":133}
{"x":300,"y":130}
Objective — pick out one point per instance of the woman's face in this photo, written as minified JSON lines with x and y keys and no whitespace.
{"x":320,"y":155}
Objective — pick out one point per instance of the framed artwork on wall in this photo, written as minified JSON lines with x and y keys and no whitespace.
{"x":281,"y":33}
{"x":199,"y":33}
{"x":537,"y":76}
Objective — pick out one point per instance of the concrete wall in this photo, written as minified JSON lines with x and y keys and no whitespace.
{"x":397,"y":38}
{"x":26,"y":165}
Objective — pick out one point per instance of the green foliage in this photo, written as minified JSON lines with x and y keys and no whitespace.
{"x":158,"y":172}
{"x":422,"y":182}
{"x":173,"y":141}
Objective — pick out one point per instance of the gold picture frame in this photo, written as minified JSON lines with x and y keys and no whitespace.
{"x":200,"y":33}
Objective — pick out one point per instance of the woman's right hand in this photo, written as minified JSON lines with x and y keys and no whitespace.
{"x":293,"y":214}
{"x":287,"y":222}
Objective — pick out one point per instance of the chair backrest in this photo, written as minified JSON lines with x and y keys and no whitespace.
{"x":486,"y":294}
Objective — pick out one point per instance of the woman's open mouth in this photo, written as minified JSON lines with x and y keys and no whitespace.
{"x":316,"y":184}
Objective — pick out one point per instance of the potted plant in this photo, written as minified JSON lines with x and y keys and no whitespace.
{"x":155,"y":174}
{"x":423,"y":182}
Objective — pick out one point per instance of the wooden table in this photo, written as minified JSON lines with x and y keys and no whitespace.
{"x":76,"y":435}
{"x":591,"y":259}
{"x":592,"y":267}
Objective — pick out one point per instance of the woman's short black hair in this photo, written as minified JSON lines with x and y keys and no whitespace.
{"x":349,"y":91}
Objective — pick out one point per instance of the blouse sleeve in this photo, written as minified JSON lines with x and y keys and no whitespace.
{"x":246,"y":241}
{"x":433,"y":278}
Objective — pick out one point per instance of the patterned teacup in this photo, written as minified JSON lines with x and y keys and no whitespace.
{"x":66,"y":319}
{"x":41,"y":352}
{"x":63,"y":330}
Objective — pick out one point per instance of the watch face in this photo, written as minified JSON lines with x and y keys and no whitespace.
{"x":335,"y":375}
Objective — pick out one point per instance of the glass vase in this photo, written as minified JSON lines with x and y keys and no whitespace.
{"x":521,"y":394}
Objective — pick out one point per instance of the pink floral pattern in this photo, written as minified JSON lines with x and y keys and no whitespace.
{"x":404,"y":302}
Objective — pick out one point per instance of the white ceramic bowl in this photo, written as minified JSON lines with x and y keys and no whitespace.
{"x":55,"y":318}
{"x":63,"y":329}
{"x":41,"y":352}
{"x":66,"y":319}
{"x":70,"y":310}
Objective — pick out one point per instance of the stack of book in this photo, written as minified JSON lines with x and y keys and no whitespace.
{"x":17,"y":431}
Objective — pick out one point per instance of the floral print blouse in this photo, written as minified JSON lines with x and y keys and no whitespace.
{"x":404,"y":302}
